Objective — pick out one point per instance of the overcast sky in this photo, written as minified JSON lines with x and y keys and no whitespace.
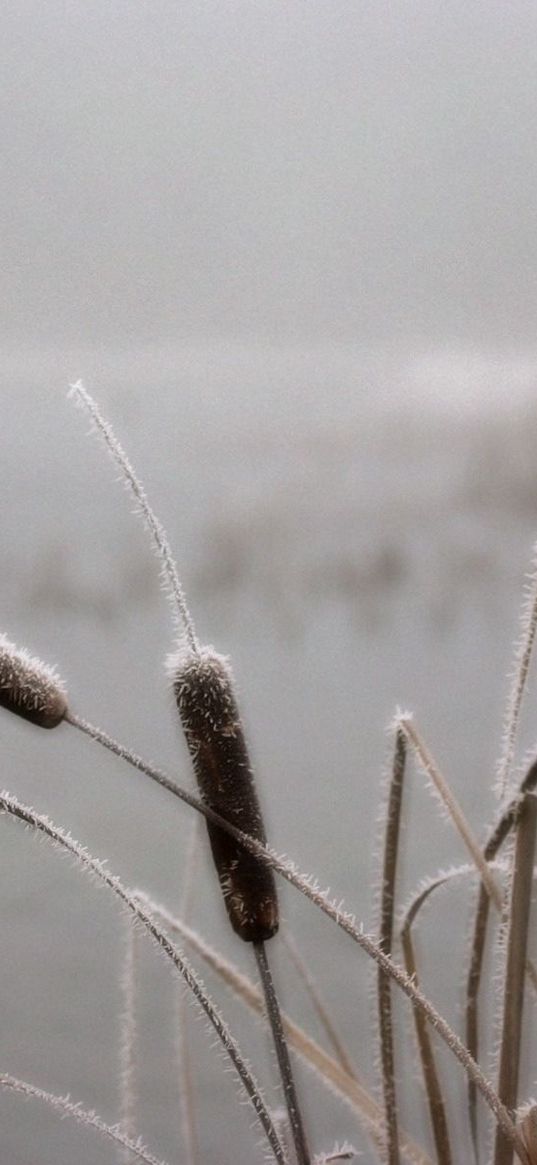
{"x":291,"y":171}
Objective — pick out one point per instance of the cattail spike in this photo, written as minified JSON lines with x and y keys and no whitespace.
{"x":30,"y":688}
{"x":203,"y":688}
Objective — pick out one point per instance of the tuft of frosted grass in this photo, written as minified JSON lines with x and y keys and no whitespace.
{"x":64,"y":1106}
{"x":346,"y":921}
{"x":99,"y":870}
{"x":345,"y":1085}
{"x":29,"y":687}
{"x":170,"y":574}
{"x":519,"y":677}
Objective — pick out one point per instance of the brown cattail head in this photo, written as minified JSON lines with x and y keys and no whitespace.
{"x":203,"y":688}
{"x":30,"y":688}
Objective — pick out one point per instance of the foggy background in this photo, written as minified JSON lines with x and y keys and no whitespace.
{"x":291,"y":249}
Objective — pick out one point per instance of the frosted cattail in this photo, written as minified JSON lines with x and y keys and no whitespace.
{"x":30,"y":688}
{"x":211,"y":722}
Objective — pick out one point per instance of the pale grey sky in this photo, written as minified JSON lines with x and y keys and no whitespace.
{"x":294,"y":172}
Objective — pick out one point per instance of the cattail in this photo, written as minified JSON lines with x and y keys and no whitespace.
{"x":203,"y":688}
{"x":30,"y":688}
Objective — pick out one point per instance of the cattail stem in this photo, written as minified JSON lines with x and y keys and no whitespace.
{"x":282,"y":1053}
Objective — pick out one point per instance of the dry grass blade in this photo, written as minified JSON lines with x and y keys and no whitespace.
{"x":517,"y":941}
{"x":387,"y":904}
{"x":418,"y":900}
{"x":431,"y":1079}
{"x":66,"y":1107}
{"x":432,"y":771}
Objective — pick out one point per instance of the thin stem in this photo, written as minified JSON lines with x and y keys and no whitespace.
{"x":65,"y":1107}
{"x":128,"y":1034}
{"x":473,"y":984}
{"x":431,"y":1079}
{"x":282,"y":1053}
{"x":384,"y":986}
{"x":97,"y":868}
{"x":448,"y":798}
{"x":517,"y":942}
{"x":186,"y":1087}
{"x":156,"y":529}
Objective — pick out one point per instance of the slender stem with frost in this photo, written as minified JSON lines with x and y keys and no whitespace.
{"x":157,"y":531}
{"x":65,"y":1107}
{"x":282,"y":1054}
